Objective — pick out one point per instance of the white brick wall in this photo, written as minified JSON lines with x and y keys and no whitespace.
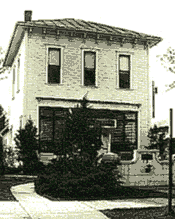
{"x":34,"y":58}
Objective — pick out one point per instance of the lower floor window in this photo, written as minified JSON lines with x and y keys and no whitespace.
{"x":51,"y":123}
{"x":123,"y":134}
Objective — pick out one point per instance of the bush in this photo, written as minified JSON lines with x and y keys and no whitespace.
{"x":77,"y":173}
{"x":13,"y":170}
{"x":99,"y":181}
{"x":10,"y":156}
{"x":26,"y":140}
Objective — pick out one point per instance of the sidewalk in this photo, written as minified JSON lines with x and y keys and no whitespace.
{"x":33,"y":206}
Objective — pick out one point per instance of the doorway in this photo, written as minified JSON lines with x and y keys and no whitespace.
{"x":106,"y":140}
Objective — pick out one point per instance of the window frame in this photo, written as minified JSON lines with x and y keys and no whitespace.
{"x":61,"y":62}
{"x":83,"y":67}
{"x":18,"y":75}
{"x":13,"y":82}
{"x":53,"y":118}
{"x":123,"y":128}
{"x":129,"y":54}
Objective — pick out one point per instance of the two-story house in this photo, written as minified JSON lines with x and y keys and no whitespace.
{"x":51,"y":64}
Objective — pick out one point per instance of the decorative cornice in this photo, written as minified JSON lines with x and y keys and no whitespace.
{"x":44,"y":31}
{"x":57,"y":33}
{"x":134,"y":42}
{"x":90,"y":101}
{"x":146,"y":45}
{"x":122,"y":41}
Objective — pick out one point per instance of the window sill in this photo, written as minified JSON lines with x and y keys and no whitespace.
{"x":54,"y":84}
{"x":126,"y":89}
{"x":95,"y":87}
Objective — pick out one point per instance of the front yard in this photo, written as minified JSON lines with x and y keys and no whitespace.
{"x":119,"y":194}
{"x":7,"y":183}
{"x":138,"y":213}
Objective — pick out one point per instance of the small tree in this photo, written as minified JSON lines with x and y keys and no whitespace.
{"x":3,"y":122}
{"x":157,"y":138}
{"x":168,"y":60}
{"x":26,"y":140}
{"x":82,"y":136}
{"x":77,"y":172}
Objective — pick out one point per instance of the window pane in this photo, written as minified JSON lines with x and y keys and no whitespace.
{"x":53,"y":74}
{"x":130,"y":116}
{"x":124,"y":80}
{"x":124,"y":63}
{"x":89,"y":77}
{"x":46,"y":129}
{"x":130,"y":132}
{"x":61,"y":113}
{"x":89,"y":60}
{"x":117,"y":134}
{"x":54,"y":57}
{"x":47,"y":112}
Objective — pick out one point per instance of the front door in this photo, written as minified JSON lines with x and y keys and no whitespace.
{"x":106,"y":140}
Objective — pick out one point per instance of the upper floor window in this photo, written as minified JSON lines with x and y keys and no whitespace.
{"x":13,"y":83}
{"x":54,"y":65}
{"x":18,"y":76}
{"x":124,"y":71}
{"x":89,"y":68}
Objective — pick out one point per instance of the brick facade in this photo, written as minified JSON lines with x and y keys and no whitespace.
{"x":33,"y":55}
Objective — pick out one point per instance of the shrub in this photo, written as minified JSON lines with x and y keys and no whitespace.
{"x":77,"y":172}
{"x":99,"y":181}
{"x":157,"y":137}
{"x":27,"y":144}
{"x":10,"y":156}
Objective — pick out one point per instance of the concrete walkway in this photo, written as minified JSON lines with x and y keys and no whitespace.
{"x":31,"y":205}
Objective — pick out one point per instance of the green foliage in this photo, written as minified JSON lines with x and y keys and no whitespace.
{"x":79,"y":137}
{"x":98,"y":182}
{"x":168,"y":60}
{"x":26,"y":140}
{"x":10,"y":156}
{"x":77,"y":171}
{"x":157,"y":139}
{"x":1,"y":158}
{"x":3,"y":122}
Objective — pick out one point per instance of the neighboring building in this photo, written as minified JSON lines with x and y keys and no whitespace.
{"x":52,"y":64}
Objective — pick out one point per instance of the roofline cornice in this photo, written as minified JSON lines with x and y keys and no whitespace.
{"x":30,"y":24}
{"x":148,"y":40}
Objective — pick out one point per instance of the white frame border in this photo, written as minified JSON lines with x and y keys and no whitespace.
{"x":47,"y":57}
{"x":96,"y":65}
{"x":118,"y":53}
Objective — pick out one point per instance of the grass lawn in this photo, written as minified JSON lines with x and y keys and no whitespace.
{"x":122,"y":193}
{"x":7,"y":183}
{"x":143,"y":213}
{"x":138,"y":213}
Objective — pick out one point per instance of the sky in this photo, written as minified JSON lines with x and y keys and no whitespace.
{"x":147,"y":16}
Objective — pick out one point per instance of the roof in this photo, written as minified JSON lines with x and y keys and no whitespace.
{"x":76,"y":25}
